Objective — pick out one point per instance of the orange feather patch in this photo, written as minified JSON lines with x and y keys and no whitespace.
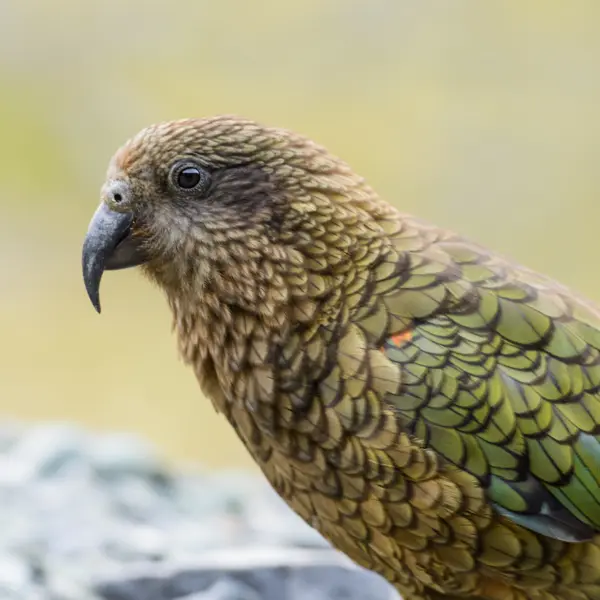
{"x":399,"y":339}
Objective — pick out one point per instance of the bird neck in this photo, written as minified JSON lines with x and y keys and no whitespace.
{"x":302,"y":279}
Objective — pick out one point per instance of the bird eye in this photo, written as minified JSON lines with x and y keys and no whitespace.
{"x":190,"y":177}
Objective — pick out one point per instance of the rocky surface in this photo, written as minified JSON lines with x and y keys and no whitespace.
{"x":102,"y":517}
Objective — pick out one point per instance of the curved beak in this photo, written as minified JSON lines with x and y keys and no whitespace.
{"x":108,"y":246}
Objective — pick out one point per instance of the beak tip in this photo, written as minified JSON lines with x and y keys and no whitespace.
{"x":94,"y":296}
{"x":92,"y":274}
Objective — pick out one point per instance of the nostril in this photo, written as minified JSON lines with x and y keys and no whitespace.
{"x":116,"y":191}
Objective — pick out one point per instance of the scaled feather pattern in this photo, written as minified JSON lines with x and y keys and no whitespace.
{"x":430,"y":407}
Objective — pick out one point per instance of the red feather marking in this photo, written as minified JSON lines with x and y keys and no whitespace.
{"x":399,"y":339}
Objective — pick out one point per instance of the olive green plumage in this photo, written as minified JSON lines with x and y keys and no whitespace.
{"x":431,"y":408}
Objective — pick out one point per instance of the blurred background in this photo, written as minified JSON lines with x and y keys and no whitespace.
{"x":482,"y":116}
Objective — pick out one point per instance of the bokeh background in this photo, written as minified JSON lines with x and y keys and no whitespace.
{"x":481,"y":115}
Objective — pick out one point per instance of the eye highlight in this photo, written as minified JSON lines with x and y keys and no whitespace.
{"x":189,"y":177}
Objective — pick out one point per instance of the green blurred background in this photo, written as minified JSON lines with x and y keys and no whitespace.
{"x":481,"y":115}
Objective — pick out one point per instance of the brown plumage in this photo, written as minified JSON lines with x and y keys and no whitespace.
{"x":431,"y":408}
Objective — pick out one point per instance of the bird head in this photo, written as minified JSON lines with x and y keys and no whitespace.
{"x":221,"y":199}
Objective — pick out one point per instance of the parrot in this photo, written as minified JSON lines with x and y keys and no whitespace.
{"x":430,"y":407}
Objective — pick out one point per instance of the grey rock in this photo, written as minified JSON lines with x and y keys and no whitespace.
{"x":41,"y":451}
{"x":103,"y":517}
{"x":134,"y":543}
{"x":61,"y":587}
{"x":122,"y":455}
{"x":225,"y":589}
{"x":272,"y":521}
{"x":10,"y":433}
{"x":276,"y":582}
{"x":262,"y":572}
{"x":138,"y":499}
{"x":14,"y":572}
{"x":29,"y":593}
{"x":337,"y":583}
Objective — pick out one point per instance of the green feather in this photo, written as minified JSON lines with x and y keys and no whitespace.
{"x":501,"y":378}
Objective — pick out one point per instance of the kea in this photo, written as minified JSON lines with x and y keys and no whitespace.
{"x":430,"y":407}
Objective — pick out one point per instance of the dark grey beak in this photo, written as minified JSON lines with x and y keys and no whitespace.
{"x":108,"y":246}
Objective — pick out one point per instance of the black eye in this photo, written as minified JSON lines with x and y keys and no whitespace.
{"x":190,"y":177}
